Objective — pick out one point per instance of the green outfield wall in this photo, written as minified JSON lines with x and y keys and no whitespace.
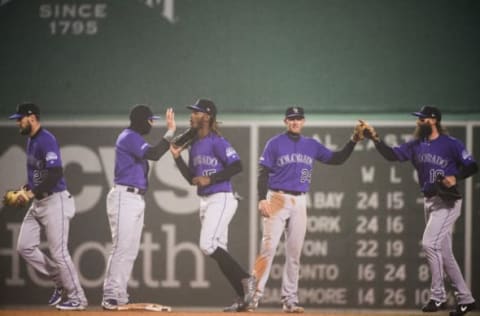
{"x":98,"y":57}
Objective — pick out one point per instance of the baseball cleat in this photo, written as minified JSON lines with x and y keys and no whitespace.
{"x":237,"y":306}
{"x":249,"y":286}
{"x":292,"y":308}
{"x":253,"y":305}
{"x":462,"y":309}
{"x":70,"y":306}
{"x":434,"y":306}
{"x":110,"y":304}
{"x":56,"y":296}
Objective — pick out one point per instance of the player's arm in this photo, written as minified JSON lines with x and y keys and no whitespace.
{"x":466,"y":166}
{"x":53,"y":173}
{"x":262,"y":183}
{"x":229,"y":171}
{"x":339,"y":157}
{"x":157,"y":151}
{"x":180,"y":163}
{"x":386,"y":151}
{"x":182,"y":166}
{"x":467,"y":171}
{"x":262,"y":187}
{"x":52,"y":176}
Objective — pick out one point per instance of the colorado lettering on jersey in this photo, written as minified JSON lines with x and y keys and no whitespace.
{"x":205,"y":160}
{"x":433,"y":159}
{"x":294,"y":158}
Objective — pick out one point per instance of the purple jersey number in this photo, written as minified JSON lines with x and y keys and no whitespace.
{"x":210,"y":155}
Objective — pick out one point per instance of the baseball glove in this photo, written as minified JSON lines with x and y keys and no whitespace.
{"x":184,"y":139}
{"x":369,"y":132}
{"x":358,"y":132}
{"x":16,"y":198}
{"x":446,"y":193}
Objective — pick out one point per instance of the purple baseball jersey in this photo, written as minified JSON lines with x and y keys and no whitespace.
{"x":210,"y":155}
{"x":43,"y":152}
{"x":441,"y":156}
{"x":291,"y":161}
{"x":131,"y":169}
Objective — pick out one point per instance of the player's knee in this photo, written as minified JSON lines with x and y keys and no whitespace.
{"x":60,"y":257}
{"x":427,"y":246}
{"x":25,"y":250}
{"x":267,"y":251}
{"x":207,"y":251}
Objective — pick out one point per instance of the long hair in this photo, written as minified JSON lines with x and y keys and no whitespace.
{"x":441,"y":130}
{"x":214,"y":125}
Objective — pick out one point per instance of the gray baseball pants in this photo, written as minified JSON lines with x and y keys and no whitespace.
{"x":437,"y":244}
{"x":125,"y":212}
{"x":52,"y":213}
{"x":289,"y":216}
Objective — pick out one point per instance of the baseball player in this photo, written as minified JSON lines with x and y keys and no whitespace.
{"x":125,"y":201}
{"x":51,"y":210}
{"x":285,"y":174}
{"x":441,"y":161}
{"x":212,"y":162}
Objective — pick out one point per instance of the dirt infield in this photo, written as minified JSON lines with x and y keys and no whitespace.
{"x":97,"y":311}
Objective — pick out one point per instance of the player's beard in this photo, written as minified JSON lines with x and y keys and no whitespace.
{"x":422,"y":131}
{"x":26,"y":130}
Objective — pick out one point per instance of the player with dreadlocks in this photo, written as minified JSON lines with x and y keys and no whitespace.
{"x":212,"y":163}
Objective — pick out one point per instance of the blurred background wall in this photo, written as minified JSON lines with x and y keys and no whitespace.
{"x":331,"y":56}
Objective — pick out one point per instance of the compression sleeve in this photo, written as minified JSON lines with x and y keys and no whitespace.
{"x":157,"y":151}
{"x":182,"y":166}
{"x":262,"y":184}
{"x":386,"y":151}
{"x":224,"y":175}
{"x":467,"y":171}
{"x":53,"y":175}
{"x":342,"y":155}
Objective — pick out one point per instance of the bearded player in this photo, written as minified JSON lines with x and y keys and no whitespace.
{"x":441,"y":161}
{"x":212,"y":163}
{"x":51,"y":210}
{"x":285,"y":173}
